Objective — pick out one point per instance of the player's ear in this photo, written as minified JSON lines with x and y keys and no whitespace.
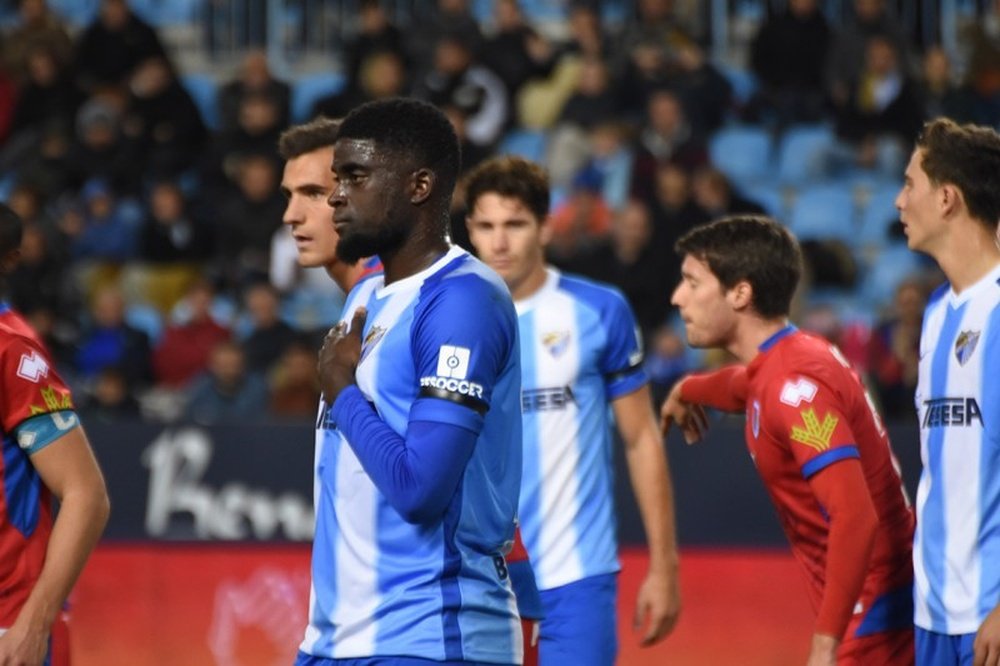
{"x":741,"y":296}
{"x":950,"y":198}
{"x":545,"y":231}
{"x":422,"y":185}
{"x":8,"y":262}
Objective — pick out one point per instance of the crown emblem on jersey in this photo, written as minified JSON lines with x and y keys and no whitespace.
{"x":374,"y":335}
{"x":814,"y":433}
{"x":965,"y":345}
{"x":556,"y":342}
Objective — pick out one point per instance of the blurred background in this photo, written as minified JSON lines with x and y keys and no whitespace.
{"x":138,"y":142}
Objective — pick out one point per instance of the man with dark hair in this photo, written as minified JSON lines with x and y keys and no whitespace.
{"x":417,"y":479}
{"x":950,"y":206}
{"x":580,"y":354}
{"x":45,"y":455}
{"x":813,"y":433}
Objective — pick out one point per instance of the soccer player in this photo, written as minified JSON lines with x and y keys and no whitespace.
{"x":812,"y":431}
{"x":416,"y":490}
{"x":580,"y":353}
{"x":307,"y":183}
{"x":45,"y":455}
{"x":949,"y":206}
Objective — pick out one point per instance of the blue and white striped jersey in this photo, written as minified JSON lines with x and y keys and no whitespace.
{"x":382,"y":586}
{"x":580,"y":349}
{"x":956,"y":553}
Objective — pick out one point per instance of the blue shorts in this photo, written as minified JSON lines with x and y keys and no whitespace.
{"x":934,"y":649}
{"x":580,"y":623}
{"x":303,"y":659}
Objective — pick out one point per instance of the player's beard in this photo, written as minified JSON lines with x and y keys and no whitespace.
{"x":354,"y":246}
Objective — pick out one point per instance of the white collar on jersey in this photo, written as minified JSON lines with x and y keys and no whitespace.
{"x":551,"y":280}
{"x":989,"y":280}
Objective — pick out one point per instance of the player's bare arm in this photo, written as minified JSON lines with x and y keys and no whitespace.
{"x":658,"y":603}
{"x":68,"y":468}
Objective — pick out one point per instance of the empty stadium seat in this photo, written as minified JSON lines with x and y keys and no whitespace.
{"x":310,"y":88}
{"x":204,"y":90}
{"x":824,"y":211}
{"x":743,"y":153}
{"x":890,"y":266}
{"x":803,"y":152}
{"x":529,"y":144}
{"x":879,"y":215}
{"x":147,"y":319}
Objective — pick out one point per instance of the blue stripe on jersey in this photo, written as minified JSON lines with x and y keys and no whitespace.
{"x":595,"y":523}
{"x":827,"y":458}
{"x":324,"y":554}
{"x":530,"y":509}
{"x":989,"y":479}
{"x":22,"y":488}
{"x":933,"y":515}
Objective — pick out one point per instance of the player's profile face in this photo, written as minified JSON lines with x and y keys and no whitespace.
{"x":702,"y":303}
{"x":307,"y":184}
{"x":371,"y":208}
{"x":917,"y":205}
{"x":507,"y":236}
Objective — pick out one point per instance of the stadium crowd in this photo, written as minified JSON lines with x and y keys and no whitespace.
{"x":156,"y":265}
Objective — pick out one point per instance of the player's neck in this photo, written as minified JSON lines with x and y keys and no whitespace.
{"x":753,"y":332}
{"x":425,"y":246}
{"x":531,"y":284}
{"x":346,"y":275}
{"x":968,"y":256}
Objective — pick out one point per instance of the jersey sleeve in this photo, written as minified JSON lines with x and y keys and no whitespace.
{"x":29,"y":385}
{"x":808,"y":415}
{"x":621,"y":360}
{"x":463,"y":338}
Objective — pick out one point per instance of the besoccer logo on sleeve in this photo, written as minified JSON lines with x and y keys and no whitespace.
{"x":453,"y":362}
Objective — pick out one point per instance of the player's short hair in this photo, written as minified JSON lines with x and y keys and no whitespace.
{"x":513,"y":177}
{"x":298,"y":140}
{"x":409,"y":129}
{"x":11,"y":229}
{"x":753,"y":248}
{"x":968,"y":157}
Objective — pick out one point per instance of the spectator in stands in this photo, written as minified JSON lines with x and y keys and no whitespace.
{"x":110,"y":399}
{"x":516,"y":52}
{"x":580,"y":222}
{"x":256,"y":134}
{"x":294,"y":386}
{"x":37,"y":26}
{"x":228,"y":392}
{"x":674,"y":213}
{"x":101,"y":150}
{"x":882,"y":112}
{"x":376,"y":34}
{"x":983,"y":75}
{"x":171,"y":234}
{"x":112,"y":46}
{"x":849,"y":51}
{"x":162,"y":120}
{"x":48,"y":97}
{"x":381,"y":75}
{"x":666,"y":136}
{"x":183,"y":352}
{"x":894,"y":350}
{"x":109,"y":342}
{"x":788,"y":56}
{"x":666,"y":361}
{"x":269,"y":336}
{"x":40,"y":279}
{"x":446,"y":18}
{"x":47,"y":169}
{"x":254,"y":78}
{"x":629,"y":260}
{"x":107,"y":233}
{"x":247,"y":220}
{"x":941,"y":96}
{"x":714,"y":194}
{"x":612,"y":156}
{"x":457,"y":79}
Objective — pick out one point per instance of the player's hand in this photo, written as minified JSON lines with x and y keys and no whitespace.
{"x":338,"y":359}
{"x":823,"y":651}
{"x":23,"y":646}
{"x":691,"y":419}
{"x":986,"y":647}
{"x":657,"y":606}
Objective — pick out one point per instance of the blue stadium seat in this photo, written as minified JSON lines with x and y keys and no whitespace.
{"x":204,"y":90}
{"x":742,"y":80}
{"x":891,"y":265}
{"x":803,"y":153}
{"x":310,"y":88}
{"x":824,"y":212}
{"x":147,"y":319}
{"x":529,"y":144}
{"x":743,"y":153}
{"x":160,"y":13}
{"x":78,"y":13}
{"x":879,"y":215}
{"x":774,"y":197}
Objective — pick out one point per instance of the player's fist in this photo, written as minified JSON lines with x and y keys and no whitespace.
{"x":338,"y":359}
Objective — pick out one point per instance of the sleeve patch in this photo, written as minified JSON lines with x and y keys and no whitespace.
{"x":813,"y":432}
{"x":39,"y":431}
{"x":32,"y":367}
{"x":453,"y":362}
{"x":794,"y":393}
